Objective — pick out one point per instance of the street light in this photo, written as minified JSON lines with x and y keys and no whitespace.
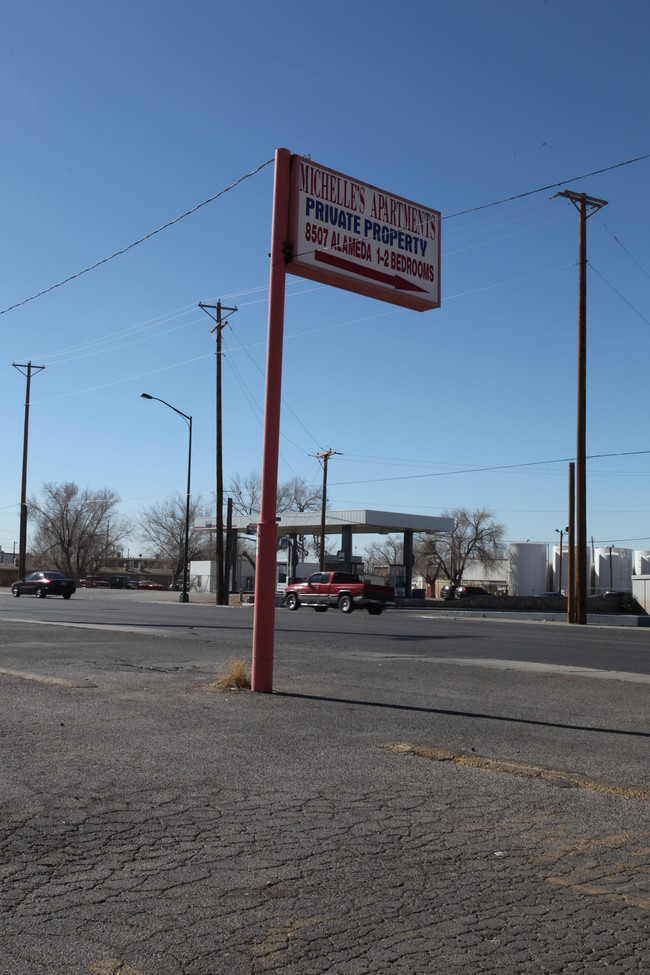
{"x":560,"y":532}
{"x":184,"y":595}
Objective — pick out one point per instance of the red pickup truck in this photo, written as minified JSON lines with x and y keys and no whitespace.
{"x":94,"y":582}
{"x":343,"y":589}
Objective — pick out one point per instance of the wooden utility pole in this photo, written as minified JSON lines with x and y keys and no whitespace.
{"x":22,"y":544}
{"x":586,"y":206}
{"x":222,"y":596}
{"x":325,"y":456}
{"x":228,"y":559}
{"x":571,"y":582}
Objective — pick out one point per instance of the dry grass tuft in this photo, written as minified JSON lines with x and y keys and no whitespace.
{"x":235,"y":677}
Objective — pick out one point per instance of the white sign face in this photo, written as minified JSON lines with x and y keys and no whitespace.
{"x":357,"y":237}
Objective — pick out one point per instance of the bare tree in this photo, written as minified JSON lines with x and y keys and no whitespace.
{"x":476,"y":537}
{"x":76,"y":530}
{"x":246,"y":493}
{"x":297,"y":495}
{"x":163,"y":528}
{"x":378,"y":555}
{"x":293,"y":495}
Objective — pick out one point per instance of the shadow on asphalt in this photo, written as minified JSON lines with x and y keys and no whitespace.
{"x":415,"y":709}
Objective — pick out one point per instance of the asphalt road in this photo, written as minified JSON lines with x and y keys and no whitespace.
{"x":426,"y":635}
{"x":420,"y":793}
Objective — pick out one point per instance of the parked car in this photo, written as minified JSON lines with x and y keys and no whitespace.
{"x":462,"y":592}
{"x":121,"y":582}
{"x":149,"y":584}
{"x":447,"y":592}
{"x":94,"y":582}
{"x":44,"y":583}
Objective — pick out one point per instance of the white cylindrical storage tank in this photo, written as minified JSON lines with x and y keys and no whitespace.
{"x":613,"y":568}
{"x":526,"y":568}
{"x":642,"y":563}
{"x":560,"y":571}
{"x":565,"y":567}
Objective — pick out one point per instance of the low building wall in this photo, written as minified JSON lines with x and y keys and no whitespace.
{"x":641,"y":591}
{"x":533,"y":604}
{"x":8,"y":574}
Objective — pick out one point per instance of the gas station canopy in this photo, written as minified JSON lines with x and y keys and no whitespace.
{"x":364,"y":521}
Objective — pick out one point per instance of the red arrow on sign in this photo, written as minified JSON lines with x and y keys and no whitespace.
{"x":392,"y":280}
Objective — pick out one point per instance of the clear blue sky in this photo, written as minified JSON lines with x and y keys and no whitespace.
{"x":118,"y":118}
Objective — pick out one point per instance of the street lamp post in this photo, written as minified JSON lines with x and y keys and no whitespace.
{"x":184,"y":598}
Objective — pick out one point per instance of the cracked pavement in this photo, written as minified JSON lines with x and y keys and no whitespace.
{"x":151,"y":826}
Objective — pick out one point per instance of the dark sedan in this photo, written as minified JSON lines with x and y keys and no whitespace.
{"x":463,"y":592}
{"x":44,"y":583}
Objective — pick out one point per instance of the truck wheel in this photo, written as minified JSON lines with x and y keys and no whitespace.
{"x":345,"y":604}
{"x":375,"y":610}
{"x":292,"y":601}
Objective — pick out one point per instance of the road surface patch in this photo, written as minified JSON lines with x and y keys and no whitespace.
{"x":521,"y":769}
{"x":44,"y":679}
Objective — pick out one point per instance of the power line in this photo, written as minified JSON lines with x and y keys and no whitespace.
{"x":491,"y":222}
{"x":602,"y":541}
{"x":617,"y":292}
{"x":493,"y":468}
{"x":170,"y":223}
{"x":123,"y":345}
{"x":128,"y":379}
{"x":542,"y":189}
{"x":259,"y":412}
{"x":123,"y":250}
{"x":146,"y":326}
{"x":153,"y":323}
{"x":500,"y":237}
{"x":631,"y":256}
{"x":114,"y":335}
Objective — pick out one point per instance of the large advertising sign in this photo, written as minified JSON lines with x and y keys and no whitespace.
{"x":354,"y":236}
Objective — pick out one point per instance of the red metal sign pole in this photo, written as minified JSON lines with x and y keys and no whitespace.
{"x":267,"y":529}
